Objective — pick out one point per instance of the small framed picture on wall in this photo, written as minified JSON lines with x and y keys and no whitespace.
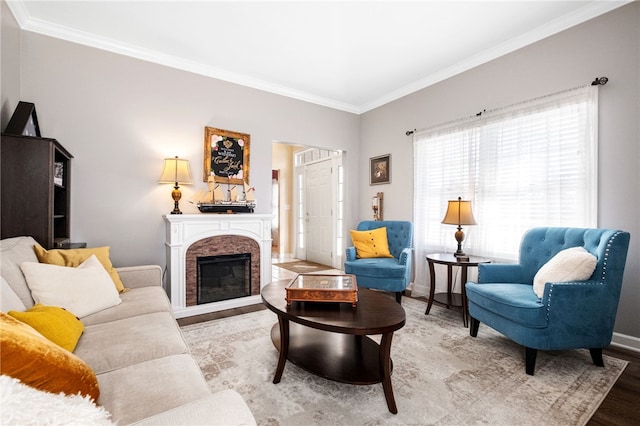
{"x":380,"y":169}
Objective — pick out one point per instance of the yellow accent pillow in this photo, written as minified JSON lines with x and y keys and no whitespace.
{"x":56,"y":324}
{"x":36,"y":361}
{"x":371,"y":243}
{"x":74,"y":257}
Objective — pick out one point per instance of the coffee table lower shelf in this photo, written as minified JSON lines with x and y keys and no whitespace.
{"x":344,"y":358}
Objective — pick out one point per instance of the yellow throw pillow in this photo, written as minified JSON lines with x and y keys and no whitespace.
{"x":371,"y":243}
{"x":56,"y":324}
{"x":74,"y":257}
{"x":36,"y":361}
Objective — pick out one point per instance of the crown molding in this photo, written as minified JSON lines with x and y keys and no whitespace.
{"x":28,"y":23}
{"x":38,"y":26}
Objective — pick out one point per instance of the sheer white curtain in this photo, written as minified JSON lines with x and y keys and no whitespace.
{"x":529,"y":164}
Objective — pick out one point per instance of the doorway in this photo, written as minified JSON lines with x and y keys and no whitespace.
{"x":311,"y":190}
{"x":275,"y":211}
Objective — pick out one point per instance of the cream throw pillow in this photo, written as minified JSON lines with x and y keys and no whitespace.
{"x":572,"y":264}
{"x":82,"y":291}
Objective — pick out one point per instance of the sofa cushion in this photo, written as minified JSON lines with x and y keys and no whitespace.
{"x":117,"y":344}
{"x":138,"y":391}
{"x":36,"y":361}
{"x":137,"y":301}
{"x":572,"y":264}
{"x":14,"y":251}
{"x":9,"y":300}
{"x":56,"y":324}
{"x":371,"y":244}
{"x":83,"y":290}
{"x":75,"y":257}
{"x":223,"y":408}
{"x":516,"y":302}
{"x":376,"y":267}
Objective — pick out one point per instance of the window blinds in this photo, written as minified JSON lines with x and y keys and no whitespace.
{"x":529,"y":164}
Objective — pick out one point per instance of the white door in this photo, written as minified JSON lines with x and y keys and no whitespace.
{"x":318,"y":212}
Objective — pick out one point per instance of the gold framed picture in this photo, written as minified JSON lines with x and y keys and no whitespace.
{"x":226,"y":156}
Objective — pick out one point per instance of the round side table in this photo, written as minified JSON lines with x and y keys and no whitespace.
{"x":450,"y":299}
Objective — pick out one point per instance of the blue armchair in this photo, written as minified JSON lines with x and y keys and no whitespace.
{"x":569,"y":315}
{"x":389,"y":274}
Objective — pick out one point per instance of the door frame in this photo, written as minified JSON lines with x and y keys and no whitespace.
{"x":338,"y":194}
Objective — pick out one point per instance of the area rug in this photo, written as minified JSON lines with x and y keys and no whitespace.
{"x":303,"y":267}
{"x":441,"y":376}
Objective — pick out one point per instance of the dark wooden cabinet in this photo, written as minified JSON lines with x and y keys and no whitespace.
{"x":35,"y":179}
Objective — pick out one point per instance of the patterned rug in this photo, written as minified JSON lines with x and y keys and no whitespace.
{"x":441,"y":376}
{"x":303,"y":267}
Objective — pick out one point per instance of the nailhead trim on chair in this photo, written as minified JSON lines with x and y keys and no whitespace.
{"x":606,"y":254}
{"x":603,"y":276}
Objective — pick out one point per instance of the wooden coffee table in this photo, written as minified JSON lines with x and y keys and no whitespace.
{"x":330,"y":339}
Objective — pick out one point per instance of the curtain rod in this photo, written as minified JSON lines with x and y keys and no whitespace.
{"x":598,"y":81}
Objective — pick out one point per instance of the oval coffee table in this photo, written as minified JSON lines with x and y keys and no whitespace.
{"x":330,"y":339}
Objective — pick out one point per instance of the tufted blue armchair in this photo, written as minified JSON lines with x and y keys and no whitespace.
{"x":570,"y":315}
{"x":389,"y":274}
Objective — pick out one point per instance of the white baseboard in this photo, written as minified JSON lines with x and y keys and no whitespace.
{"x":627,"y":342}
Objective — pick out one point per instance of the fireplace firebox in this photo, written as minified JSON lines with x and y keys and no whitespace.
{"x":223,"y":277}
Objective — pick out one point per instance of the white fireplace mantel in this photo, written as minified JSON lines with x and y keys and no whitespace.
{"x":182,"y":230}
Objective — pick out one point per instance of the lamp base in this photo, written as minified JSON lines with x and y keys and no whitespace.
{"x":176,"y":195}
{"x":461,"y":256}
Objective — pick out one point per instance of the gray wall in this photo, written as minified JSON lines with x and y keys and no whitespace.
{"x":121,"y":116}
{"x":606,"y":46}
{"x":9,"y":65}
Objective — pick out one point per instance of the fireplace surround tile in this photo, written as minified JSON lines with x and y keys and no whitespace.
{"x":217,"y":246}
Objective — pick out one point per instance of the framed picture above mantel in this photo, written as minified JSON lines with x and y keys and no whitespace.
{"x":380,"y":170}
{"x":226,"y":156}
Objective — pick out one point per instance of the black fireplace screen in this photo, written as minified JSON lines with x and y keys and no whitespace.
{"x":223,"y":277}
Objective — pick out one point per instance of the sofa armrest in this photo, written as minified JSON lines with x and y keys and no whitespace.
{"x":501,"y":273}
{"x":598,"y":304}
{"x":405,"y":256}
{"x":595,"y":316}
{"x":222,"y":408}
{"x":140,"y":276}
{"x":350,"y":253}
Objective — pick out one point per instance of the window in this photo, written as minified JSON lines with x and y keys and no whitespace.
{"x":530,"y":164}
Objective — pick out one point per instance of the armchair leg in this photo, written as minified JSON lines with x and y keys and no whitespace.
{"x":474,"y":324}
{"x":399,"y":296}
{"x":530,"y":360}
{"x":596,"y":356}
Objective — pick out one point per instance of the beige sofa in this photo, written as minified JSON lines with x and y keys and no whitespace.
{"x":144,"y":368}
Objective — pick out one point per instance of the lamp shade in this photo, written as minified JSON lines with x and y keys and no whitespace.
{"x":459,"y":213}
{"x":176,"y":170}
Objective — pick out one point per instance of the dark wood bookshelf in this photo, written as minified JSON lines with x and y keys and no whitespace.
{"x":35,"y":179}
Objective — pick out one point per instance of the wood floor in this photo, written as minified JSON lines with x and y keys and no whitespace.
{"x":621,"y":407}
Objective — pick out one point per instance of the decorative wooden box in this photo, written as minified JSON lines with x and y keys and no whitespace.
{"x":322,"y":288}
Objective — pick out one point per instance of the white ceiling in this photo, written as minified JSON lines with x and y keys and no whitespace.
{"x":349,"y":55}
